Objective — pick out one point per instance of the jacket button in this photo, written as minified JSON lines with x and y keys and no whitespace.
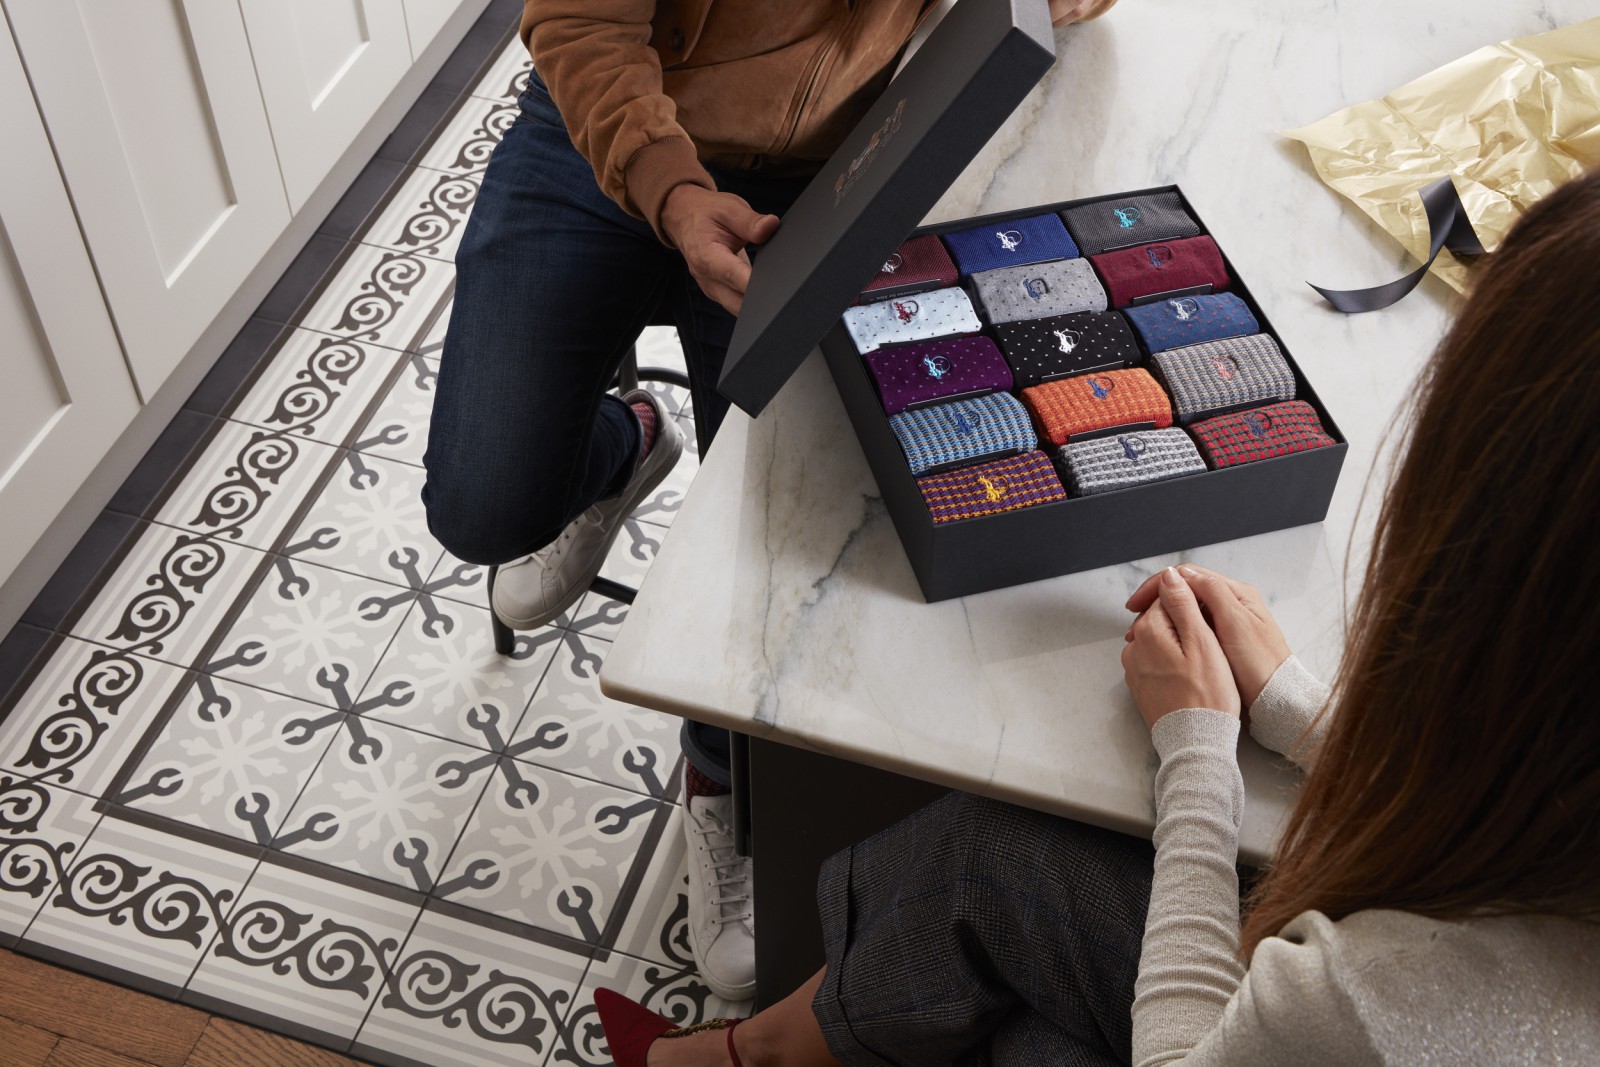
{"x":677,"y":38}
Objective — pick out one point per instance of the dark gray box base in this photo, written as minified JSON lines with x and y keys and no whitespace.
{"x":976,"y":555}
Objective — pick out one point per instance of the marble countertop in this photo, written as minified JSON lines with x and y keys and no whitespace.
{"x":782,"y":604}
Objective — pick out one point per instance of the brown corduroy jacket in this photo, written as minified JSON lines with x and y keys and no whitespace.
{"x":654,"y":90}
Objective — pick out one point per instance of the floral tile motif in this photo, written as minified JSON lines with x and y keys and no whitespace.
{"x":298,"y":948}
{"x":78,"y":720}
{"x":398,"y":430}
{"x":231,"y":759}
{"x":41,"y":829}
{"x":369,"y":520}
{"x":463,"y":145}
{"x":468,"y":993}
{"x":507,"y":77}
{"x":550,"y":850}
{"x":674,"y":991}
{"x":316,"y":386}
{"x":142,"y":901}
{"x":386,"y":802}
{"x":313,"y":633}
{"x":386,"y":298}
{"x":572,"y":727}
{"x":426,"y":214}
{"x":240,"y":489}
{"x":453,"y":684}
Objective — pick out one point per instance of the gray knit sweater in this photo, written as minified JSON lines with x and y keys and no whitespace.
{"x":1377,"y":987}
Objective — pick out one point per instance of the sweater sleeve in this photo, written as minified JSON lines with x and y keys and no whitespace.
{"x":605,"y":78}
{"x":1188,"y":965}
{"x":1284,"y":716}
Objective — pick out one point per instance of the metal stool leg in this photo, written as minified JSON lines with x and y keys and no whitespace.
{"x":505,"y":638}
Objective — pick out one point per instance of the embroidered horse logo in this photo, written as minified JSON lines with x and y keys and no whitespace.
{"x":893,"y":263}
{"x":1226,"y":367}
{"x":906,"y":310}
{"x":965,"y":423}
{"x":1101,"y":387}
{"x":1035,"y":287}
{"x":1132,"y":447}
{"x":937,"y":366}
{"x":1185,"y":308}
{"x":993,"y":490}
{"x":1126,"y":216}
{"x":1257,"y":424}
{"x":1010,"y":240}
{"x":1067,"y":340}
{"x":1160,"y":255}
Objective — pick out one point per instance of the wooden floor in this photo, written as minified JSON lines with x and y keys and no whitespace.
{"x":50,"y":1017}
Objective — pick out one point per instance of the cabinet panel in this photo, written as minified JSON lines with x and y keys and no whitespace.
{"x":158,"y":124}
{"x":325,"y":67}
{"x":68,"y":394}
{"x":424,"y":19}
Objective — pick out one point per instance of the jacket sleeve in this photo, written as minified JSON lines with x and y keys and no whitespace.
{"x":605,"y":78}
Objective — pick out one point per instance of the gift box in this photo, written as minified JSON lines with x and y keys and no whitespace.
{"x":963,"y":535}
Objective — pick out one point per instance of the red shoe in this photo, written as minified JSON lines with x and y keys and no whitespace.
{"x":632,"y":1028}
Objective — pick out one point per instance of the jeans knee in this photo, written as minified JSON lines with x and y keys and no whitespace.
{"x":473,"y":529}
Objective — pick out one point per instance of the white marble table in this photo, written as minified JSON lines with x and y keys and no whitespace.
{"x":782,"y":605}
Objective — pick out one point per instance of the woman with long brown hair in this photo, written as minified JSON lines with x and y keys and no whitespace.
{"x":1436,"y":894}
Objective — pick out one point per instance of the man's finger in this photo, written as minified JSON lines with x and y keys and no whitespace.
{"x":745,"y":223}
{"x":1179,"y":604}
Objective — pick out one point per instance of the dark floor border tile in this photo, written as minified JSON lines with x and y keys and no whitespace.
{"x":267,"y":1020}
{"x":96,"y":554}
{"x":303,"y":278}
{"x":184,"y":437}
{"x":361,"y":201}
{"x":22,"y":653}
{"x":238,"y":367}
{"x":479,"y":47}
{"x":415,"y":131}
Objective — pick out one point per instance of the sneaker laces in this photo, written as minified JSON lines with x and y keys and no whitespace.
{"x":729,"y":869}
{"x":552,"y":552}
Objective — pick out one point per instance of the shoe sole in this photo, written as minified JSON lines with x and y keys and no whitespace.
{"x":672,"y":442}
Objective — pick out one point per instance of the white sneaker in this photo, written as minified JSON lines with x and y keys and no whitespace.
{"x":722,"y":925}
{"x":535,"y":590}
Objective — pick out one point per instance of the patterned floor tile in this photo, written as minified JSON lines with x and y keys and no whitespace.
{"x":316,"y":386}
{"x":658,"y":347}
{"x":463,"y":994}
{"x":41,"y":831}
{"x":369,"y":520}
{"x":247,"y":484}
{"x":398,"y":430}
{"x":313,"y":633}
{"x":383,"y":297}
{"x":572,"y":727}
{"x":507,"y":76}
{"x":550,"y":850}
{"x":464,"y":144}
{"x":433,"y":340}
{"x":455,"y":685}
{"x":673,"y":991}
{"x":386,"y":802}
{"x":426,"y":214}
{"x":141,"y":901}
{"x":633,"y":551}
{"x":292,"y":951}
{"x":231,"y":758}
{"x":82,"y":717}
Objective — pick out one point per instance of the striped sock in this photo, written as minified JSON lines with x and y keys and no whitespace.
{"x":647,"y":426}
{"x":697,"y":784}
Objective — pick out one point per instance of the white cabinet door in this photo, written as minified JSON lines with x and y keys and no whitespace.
{"x":155,"y":115}
{"x":325,"y":68}
{"x":67,"y":391}
{"x":424,"y":18}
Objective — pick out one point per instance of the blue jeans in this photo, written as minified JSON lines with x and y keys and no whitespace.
{"x":554,"y":283}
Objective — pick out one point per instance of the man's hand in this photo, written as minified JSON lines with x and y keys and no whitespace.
{"x":711,"y":230}
{"x":1250,"y":636}
{"x":1172,"y":659}
{"x":1065,"y":12}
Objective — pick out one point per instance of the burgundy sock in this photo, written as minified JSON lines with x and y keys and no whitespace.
{"x":696,"y":784}
{"x":647,"y":426}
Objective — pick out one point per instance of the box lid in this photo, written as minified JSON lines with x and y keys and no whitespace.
{"x":938,"y":111}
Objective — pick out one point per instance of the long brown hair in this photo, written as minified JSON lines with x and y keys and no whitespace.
{"x":1461,"y":771}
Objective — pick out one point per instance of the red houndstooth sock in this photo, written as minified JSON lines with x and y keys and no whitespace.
{"x":696,"y":784}
{"x":647,"y":426}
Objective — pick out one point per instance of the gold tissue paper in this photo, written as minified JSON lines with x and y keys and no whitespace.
{"x":1508,"y":123}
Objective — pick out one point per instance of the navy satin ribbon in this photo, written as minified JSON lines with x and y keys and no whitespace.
{"x":1448,"y":227}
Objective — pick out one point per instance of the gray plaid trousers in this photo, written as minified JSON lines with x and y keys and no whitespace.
{"x":981,"y":934}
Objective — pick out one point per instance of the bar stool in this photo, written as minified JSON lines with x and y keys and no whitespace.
{"x":628,"y":378}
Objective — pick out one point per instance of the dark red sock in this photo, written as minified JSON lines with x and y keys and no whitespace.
{"x":696,"y":784}
{"x":647,"y":426}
